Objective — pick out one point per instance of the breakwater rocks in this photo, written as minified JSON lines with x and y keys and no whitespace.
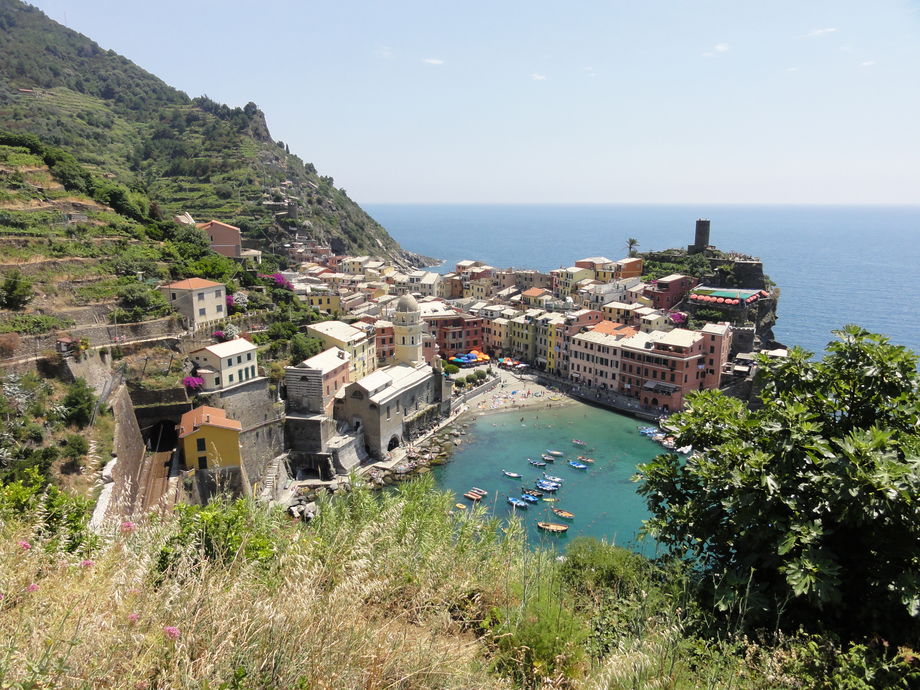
{"x":419,"y":458}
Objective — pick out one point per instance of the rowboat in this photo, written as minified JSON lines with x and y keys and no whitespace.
{"x":578,"y":442}
{"x":461,"y":506}
{"x":517,"y":502}
{"x":548,"y":458}
{"x":548,"y":487}
{"x":472,"y":496}
{"x":582,"y":458}
{"x":477,"y":490}
{"x":513,"y":475}
{"x":532,"y":492}
{"x":550,"y":499}
{"x":563,"y":513}
{"x":551,"y":478}
{"x":553,"y":527}
{"x":536,"y":463}
{"x":556,"y":453}
{"x":578,"y":465}
{"x":529,"y":498}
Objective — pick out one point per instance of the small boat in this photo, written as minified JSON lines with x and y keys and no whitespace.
{"x":563,"y":513}
{"x":532,"y":492}
{"x":553,"y":527}
{"x":536,"y":463}
{"x":472,"y":496}
{"x":550,"y":499}
{"x":582,"y":458}
{"x":578,"y":442}
{"x":548,"y":458}
{"x":551,"y":478}
{"x":548,"y":487}
{"x":460,"y":506}
{"x":517,"y":502}
{"x":577,"y":465}
{"x":477,"y":490}
{"x":555,"y":453}
{"x":529,"y":498}
{"x":513,"y":475}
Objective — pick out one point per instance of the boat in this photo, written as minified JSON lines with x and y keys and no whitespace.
{"x":553,"y":527}
{"x":550,"y":499}
{"x":513,"y":475}
{"x":577,"y":465}
{"x":472,"y":496}
{"x":517,"y":502}
{"x":563,"y":513}
{"x":548,"y":458}
{"x":555,"y":453}
{"x":547,"y":487}
{"x":460,"y":506}
{"x":582,"y":458}
{"x":579,"y":442}
{"x":477,"y":490}
{"x":532,"y":492}
{"x":536,"y":463}
{"x":529,"y":498}
{"x":551,"y":478}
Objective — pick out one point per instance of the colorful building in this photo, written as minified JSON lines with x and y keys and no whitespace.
{"x":668,"y":291}
{"x":311,"y":385}
{"x":209,"y":439}
{"x":200,"y":301}
{"x":226,"y":364}
{"x":360,"y":346}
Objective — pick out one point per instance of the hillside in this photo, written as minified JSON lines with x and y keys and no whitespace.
{"x":187,"y":155}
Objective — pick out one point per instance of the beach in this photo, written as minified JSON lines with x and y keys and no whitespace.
{"x":517,"y":393}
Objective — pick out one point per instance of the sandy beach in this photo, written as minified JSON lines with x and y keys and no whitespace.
{"x":514,"y":393}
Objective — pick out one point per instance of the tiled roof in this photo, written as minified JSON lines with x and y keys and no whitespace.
{"x":205,"y":416}
{"x":193,"y":284}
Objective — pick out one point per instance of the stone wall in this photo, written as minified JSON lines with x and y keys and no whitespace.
{"x":129,"y":451}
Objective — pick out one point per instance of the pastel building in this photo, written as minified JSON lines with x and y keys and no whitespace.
{"x":209,"y":439}
{"x":311,"y":385}
{"x":668,"y":291}
{"x":200,"y":301}
{"x":226,"y":364}
{"x":360,"y":346}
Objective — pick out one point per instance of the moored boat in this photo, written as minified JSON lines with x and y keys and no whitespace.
{"x":517,"y":502}
{"x":551,"y":478}
{"x":461,"y":506}
{"x":577,"y":465}
{"x":563,"y":513}
{"x":529,"y":498}
{"x":536,"y":463}
{"x":578,"y":442}
{"x":550,"y":499}
{"x":555,"y":453}
{"x":582,"y":458}
{"x":513,"y":475}
{"x":548,"y":487}
{"x":472,"y":496}
{"x":553,"y":527}
{"x":477,"y":490}
{"x":547,"y":457}
{"x":532,"y":492}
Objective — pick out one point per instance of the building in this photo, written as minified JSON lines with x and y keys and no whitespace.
{"x":200,"y":301}
{"x":226,"y":364}
{"x":397,"y":402}
{"x":668,"y":291}
{"x":568,"y":278}
{"x":209,"y":439}
{"x":457,"y":333}
{"x":595,"y":359}
{"x":359,"y":345}
{"x":311,"y":385}
{"x":224,"y":239}
{"x":497,"y":337}
{"x":324,"y":302}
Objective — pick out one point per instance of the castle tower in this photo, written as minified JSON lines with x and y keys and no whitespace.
{"x":701,"y":237}
{"x":407,"y":331}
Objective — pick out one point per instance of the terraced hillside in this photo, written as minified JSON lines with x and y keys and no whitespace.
{"x":187,"y":155}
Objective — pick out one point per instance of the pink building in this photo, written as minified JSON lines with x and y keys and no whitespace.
{"x":311,"y":385}
{"x":224,"y":238}
{"x":668,"y":291}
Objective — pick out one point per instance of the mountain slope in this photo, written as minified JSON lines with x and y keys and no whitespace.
{"x":191,"y":155}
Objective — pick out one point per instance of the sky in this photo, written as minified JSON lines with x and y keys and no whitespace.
{"x":506,"y":101}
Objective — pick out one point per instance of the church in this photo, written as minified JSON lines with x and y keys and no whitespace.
{"x":397,"y":402}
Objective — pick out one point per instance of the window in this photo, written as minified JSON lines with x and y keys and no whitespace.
{"x":239,"y":359}
{"x":202,"y":462}
{"x":200,"y":444}
{"x":217,"y":292}
{"x":174,"y":295}
{"x":230,"y":362}
{"x":201,"y":312}
{"x":248,"y":356}
{"x":217,"y":380}
{"x":201,"y":297}
{"x":230,"y":378}
{"x":220,"y":308}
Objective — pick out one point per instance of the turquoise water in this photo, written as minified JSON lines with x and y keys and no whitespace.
{"x":603,"y":497}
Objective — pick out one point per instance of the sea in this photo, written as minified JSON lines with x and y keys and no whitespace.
{"x":834,"y":265}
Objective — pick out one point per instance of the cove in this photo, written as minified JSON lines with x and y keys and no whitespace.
{"x":603,"y":497}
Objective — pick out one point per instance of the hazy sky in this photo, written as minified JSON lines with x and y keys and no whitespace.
{"x":632,"y":101}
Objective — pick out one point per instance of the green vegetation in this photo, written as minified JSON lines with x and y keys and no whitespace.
{"x":659,"y":266}
{"x":139,"y":302}
{"x":33,"y":324}
{"x":15,"y":291}
{"x":804,"y":512}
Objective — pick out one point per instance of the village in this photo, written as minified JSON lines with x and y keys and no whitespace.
{"x":405,"y":352}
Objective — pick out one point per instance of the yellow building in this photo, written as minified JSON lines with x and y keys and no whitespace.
{"x":209,"y":439}
{"x":324,"y":303}
{"x":567,"y":278}
{"x":360,"y":346}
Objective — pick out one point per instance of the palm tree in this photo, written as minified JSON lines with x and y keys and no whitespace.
{"x":631,"y":245}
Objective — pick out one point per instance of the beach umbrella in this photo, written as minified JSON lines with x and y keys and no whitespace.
{"x":720,"y":300}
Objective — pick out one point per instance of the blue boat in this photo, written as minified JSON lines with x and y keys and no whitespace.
{"x":513,"y":475}
{"x":578,"y":465}
{"x":536,"y":463}
{"x":548,"y":487}
{"x":517,"y":503}
{"x":551,"y":478}
{"x":529,"y":499}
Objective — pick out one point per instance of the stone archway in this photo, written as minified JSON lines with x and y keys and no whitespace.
{"x":394,"y":442}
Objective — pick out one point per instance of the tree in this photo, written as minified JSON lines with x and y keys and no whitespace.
{"x":631,"y":244}
{"x":804,"y":512}
{"x":79,"y":403}
{"x":15,"y":291}
{"x":303,"y":348}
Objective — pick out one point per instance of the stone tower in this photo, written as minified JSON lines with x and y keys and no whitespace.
{"x":407,"y":331}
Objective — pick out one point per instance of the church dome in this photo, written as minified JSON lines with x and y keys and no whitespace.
{"x":406,"y":303}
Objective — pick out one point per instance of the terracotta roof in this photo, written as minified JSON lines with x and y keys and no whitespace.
{"x":613,"y":328}
{"x":534,"y":292}
{"x":193,"y":284}
{"x":216,"y":222}
{"x":205,"y":416}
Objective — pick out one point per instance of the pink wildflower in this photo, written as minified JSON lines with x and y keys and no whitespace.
{"x":24,"y":545}
{"x":134,"y":617}
{"x":171,"y":632}
{"x":87,"y":563}
{"x":32,"y":587}
{"x":127,"y":527}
